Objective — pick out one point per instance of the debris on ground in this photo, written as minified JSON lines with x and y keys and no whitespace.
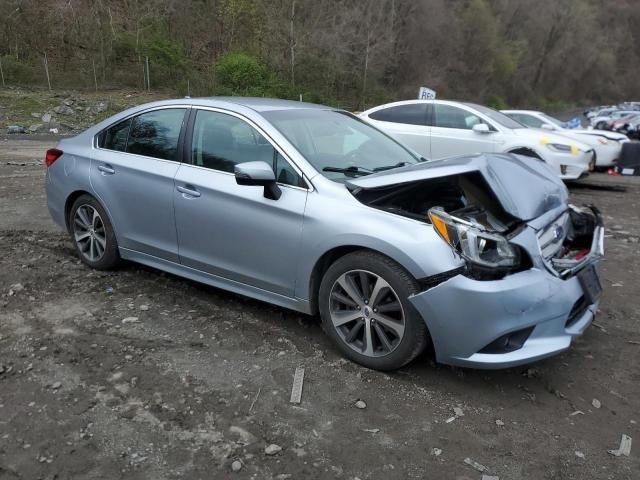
{"x":473,"y":464}
{"x":130,"y":320}
{"x":272,"y":449}
{"x":625,"y":447}
{"x":596,"y":403}
{"x":296,"y":389}
{"x":371,"y":430}
{"x":360,"y":404}
{"x":490,"y":477}
{"x":577,"y":412}
{"x":499,"y":423}
{"x":236,"y":466}
{"x":436,"y":452}
{"x":579,"y":454}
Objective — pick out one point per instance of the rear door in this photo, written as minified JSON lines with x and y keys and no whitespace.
{"x":232,"y":230}
{"x":452,"y":134}
{"x":406,"y":123}
{"x":132,"y":173}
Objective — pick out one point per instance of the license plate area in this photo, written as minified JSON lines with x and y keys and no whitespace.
{"x":590,"y":283}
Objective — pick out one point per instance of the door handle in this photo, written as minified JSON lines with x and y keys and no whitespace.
{"x":189,"y":190}
{"x":106,"y":169}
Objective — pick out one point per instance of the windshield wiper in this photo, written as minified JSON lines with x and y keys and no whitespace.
{"x":390,"y":167}
{"x":353,"y":169}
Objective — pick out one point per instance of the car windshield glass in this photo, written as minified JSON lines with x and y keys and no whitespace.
{"x":553,"y":121}
{"x":497,"y":116}
{"x":339,"y":145}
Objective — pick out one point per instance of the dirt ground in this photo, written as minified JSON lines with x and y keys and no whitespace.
{"x":197,"y":378}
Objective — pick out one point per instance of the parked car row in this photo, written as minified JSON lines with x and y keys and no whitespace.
{"x":313,"y":209}
{"x":439,"y":129}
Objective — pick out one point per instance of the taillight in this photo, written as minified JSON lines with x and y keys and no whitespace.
{"x":52,"y":155}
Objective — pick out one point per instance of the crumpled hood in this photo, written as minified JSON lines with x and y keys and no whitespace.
{"x":525,"y":187}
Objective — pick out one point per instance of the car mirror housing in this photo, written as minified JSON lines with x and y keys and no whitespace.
{"x":258,"y":174}
{"x":481,"y":128}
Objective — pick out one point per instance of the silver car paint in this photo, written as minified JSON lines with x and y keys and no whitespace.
{"x":268,"y":249}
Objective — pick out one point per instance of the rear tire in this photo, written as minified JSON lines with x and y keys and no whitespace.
{"x":364,"y":306}
{"x":92,"y":234}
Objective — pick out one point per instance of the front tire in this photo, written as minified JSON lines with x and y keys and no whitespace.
{"x":364,"y":306}
{"x":92,"y":234}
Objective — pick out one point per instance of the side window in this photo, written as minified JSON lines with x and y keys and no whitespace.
{"x":115,"y":138}
{"x":411,"y":114}
{"x":529,"y":120}
{"x":155,"y":134}
{"x":221,"y":141}
{"x":447,"y":116}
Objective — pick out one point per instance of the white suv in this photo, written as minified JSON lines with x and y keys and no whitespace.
{"x":437,"y":129}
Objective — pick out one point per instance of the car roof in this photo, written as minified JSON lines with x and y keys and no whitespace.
{"x":530,"y":112}
{"x":259,"y":104}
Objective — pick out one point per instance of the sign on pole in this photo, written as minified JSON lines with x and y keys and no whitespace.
{"x":426,"y":94}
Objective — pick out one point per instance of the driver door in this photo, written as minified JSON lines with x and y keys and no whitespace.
{"x":232,"y":230}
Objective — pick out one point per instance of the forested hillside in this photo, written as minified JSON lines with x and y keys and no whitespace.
{"x":352,"y":53}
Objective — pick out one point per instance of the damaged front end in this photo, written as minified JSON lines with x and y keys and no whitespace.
{"x":531,"y":278}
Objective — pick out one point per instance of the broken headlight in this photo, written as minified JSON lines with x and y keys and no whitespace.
{"x":473,"y":242}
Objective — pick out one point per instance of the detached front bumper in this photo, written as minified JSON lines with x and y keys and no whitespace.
{"x":522,"y":318}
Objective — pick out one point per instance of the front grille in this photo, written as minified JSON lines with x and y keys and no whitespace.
{"x":552,"y":237}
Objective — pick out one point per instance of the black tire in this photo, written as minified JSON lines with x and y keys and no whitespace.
{"x":109,"y":256}
{"x":402,"y":286}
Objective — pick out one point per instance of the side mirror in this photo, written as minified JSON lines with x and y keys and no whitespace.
{"x":258,"y":174}
{"x":481,"y":128}
{"x":547,"y":126}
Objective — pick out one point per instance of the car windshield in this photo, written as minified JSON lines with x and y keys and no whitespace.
{"x":339,"y":145}
{"x":497,"y":116}
{"x":553,"y":121}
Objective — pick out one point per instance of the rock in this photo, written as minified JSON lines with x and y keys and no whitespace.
{"x":15,"y":288}
{"x":360,"y":404}
{"x":46,"y":118}
{"x":500,"y":423}
{"x":436,"y":452}
{"x":68,"y":101}
{"x":56,"y":385}
{"x":579,"y":454}
{"x":15,"y":129}
{"x":36,"y":114}
{"x":35,"y":127}
{"x":130,"y":320}
{"x":236,"y":466}
{"x":244,"y":437}
{"x":458,"y":412}
{"x":596,"y":403}
{"x":64,"y":110}
{"x":272,"y":449}
{"x":53,"y":130}
{"x":144,"y":308}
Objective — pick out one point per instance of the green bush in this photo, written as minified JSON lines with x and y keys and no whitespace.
{"x":242,"y":74}
{"x":15,"y":71}
{"x":496,"y":101}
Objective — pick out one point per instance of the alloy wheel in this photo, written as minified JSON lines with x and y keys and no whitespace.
{"x":367,"y":313}
{"x":89,"y":233}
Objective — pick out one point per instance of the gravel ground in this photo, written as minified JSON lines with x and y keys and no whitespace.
{"x":137,"y":374}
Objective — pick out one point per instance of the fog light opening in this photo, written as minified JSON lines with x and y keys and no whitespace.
{"x":508,"y":343}
{"x":563,"y":169}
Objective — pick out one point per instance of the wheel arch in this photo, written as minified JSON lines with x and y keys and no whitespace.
{"x":73,"y":196}
{"x":526,"y":151}
{"x":327,"y":259}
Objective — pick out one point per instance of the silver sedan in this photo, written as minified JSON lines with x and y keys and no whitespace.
{"x":307,"y":207}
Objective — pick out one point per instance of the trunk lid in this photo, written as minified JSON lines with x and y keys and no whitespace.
{"x":525,"y":187}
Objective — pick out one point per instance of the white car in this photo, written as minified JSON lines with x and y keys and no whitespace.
{"x":606,"y":144}
{"x":437,"y":129}
{"x":601,"y":120}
